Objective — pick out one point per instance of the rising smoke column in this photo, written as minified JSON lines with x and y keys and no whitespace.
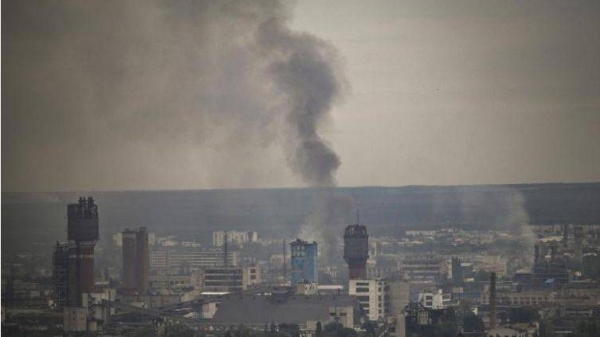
{"x":217,"y":87}
{"x":182,"y":94}
{"x":306,"y":70}
{"x":505,"y":209}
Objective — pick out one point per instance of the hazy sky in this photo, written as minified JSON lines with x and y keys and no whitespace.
{"x":169,"y":95}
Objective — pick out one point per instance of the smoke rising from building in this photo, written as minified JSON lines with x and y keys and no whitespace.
{"x":325,"y":225}
{"x":165,"y":90}
{"x":506,"y":207}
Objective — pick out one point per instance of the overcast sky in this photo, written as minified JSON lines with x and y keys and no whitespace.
{"x":113,"y":96}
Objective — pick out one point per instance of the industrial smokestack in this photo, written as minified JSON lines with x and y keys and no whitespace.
{"x":492,"y":300}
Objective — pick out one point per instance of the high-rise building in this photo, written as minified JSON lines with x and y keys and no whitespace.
{"x":165,"y":258}
{"x":82,"y":233}
{"x":304,"y":261}
{"x":136,"y":260}
{"x":356,"y":250}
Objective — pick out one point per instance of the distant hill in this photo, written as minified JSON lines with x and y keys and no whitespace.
{"x":29,"y":218}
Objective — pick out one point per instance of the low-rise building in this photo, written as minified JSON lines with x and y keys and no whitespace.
{"x":306,"y":311}
{"x":237,"y":237}
{"x":230,"y":279}
{"x":371,"y":295}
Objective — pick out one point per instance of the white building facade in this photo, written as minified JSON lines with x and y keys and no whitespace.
{"x":371,"y":297}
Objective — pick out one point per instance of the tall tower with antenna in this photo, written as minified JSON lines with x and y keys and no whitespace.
{"x":356,"y":249}
{"x":82,"y":233}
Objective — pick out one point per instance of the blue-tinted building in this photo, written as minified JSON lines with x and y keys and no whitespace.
{"x":304,"y":261}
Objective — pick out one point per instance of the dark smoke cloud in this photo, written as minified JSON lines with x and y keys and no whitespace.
{"x":139,"y":94}
{"x":304,"y":69}
{"x":151,"y":94}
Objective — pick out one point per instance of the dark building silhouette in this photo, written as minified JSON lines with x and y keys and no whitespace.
{"x":493,"y":301}
{"x":73,"y":261}
{"x":552,"y":272}
{"x":457,"y":271}
{"x":356,"y":250}
{"x":82,"y":233}
{"x":136,"y":260}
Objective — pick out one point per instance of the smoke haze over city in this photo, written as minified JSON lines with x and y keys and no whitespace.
{"x":283,"y":168}
{"x":115,"y":95}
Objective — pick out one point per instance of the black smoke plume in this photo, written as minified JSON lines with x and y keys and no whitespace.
{"x":306,"y":70}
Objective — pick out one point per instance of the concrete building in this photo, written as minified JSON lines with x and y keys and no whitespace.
{"x":75,"y":319}
{"x":424,"y":268}
{"x":371,"y":295}
{"x":549,"y":271}
{"x":176,"y":282}
{"x":230,"y":279}
{"x":435,"y":300}
{"x":356,"y":250}
{"x":118,"y":239}
{"x":236,"y":237}
{"x":99,"y":305}
{"x":399,"y":298}
{"x":457,"y":271}
{"x":506,"y":332}
{"x":136,"y":260}
{"x":82,"y":233}
{"x":192,"y":258}
{"x":306,"y":311}
{"x":304,"y":262}
{"x":251,"y":275}
{"x":521,"y":298}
